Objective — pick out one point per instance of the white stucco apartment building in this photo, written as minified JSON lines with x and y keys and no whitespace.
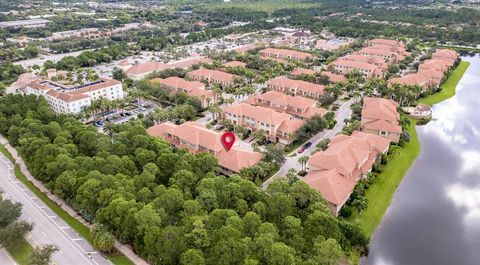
{"x":72,"y":99}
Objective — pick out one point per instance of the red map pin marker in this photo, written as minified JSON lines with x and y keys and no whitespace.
{"x":228,"y":139}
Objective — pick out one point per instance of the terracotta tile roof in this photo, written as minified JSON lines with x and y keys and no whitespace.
{"x":380,"y":144}
{"x":412,"y":79}
{"x":380,"y":62}
{"x":76,"y":92}
{"x":298,"y":106}
{"x":380,"y":114}
{"x":284,"y":53}
{"x":302,"y":71}
{"x":235,"y":64}
{"x":24,"y":79}
{"x":67,"y":97}
{"x":180,"y":83}
{"x":354,"y":64}
{"x":290,"y":126}
{"x":385,"y":42}
{"x":236,"y":159}
{"x":258,"y":113}
{"x":334,"y":187}
{"x":334,"y":78}
{"x":142,"y":68}
{"x":105,"y":82}
{"x":334,"y":172}
{"x":184,"y":64}
{"x":196,"y":134}
{"x":212,"y":74}
{"x":380,"y":108}
{"x":283,"y":82}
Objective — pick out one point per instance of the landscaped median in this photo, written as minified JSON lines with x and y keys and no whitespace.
{"x":21,"y":256}
{"x":449,"y":87}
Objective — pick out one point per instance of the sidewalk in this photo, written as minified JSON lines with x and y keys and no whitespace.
{"x":122,"y":248}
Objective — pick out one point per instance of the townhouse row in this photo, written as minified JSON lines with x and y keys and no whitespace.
{"x":348,"y":159}
{"x":430,"y":73}
{"x":373,"y":60}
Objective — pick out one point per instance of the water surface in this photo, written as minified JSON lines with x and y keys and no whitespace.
{"x":434,"y":218}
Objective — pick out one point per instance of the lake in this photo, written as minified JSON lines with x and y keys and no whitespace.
{"x":434,"y":217}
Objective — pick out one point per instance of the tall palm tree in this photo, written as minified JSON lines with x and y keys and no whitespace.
{"x":303,"y":162}
{"x":214,"y":109}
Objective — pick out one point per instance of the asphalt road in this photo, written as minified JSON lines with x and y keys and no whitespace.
{"x":343,"y":113}
{"x":48,"y":227}
{"x":5,"y":258}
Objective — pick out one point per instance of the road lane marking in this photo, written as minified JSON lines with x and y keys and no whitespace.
{"x":33,"y":203}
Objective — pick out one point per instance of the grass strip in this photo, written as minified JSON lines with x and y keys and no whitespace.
{"x":21,"y":254}
{"x":448,"y":87}
{"x":380,"y":192}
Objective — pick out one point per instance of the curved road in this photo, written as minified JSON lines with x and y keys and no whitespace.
{"x":48,"y":227}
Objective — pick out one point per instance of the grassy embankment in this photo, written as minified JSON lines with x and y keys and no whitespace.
{"x":22,"y":254}
{"x":448,"y":88}
{"x":381,"y":191}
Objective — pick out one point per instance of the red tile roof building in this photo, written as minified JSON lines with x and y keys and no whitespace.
{"x":235,"y":64}
{"x":388,"y":53}
{"x":197,"y":139}
{"x":285,"y":54}
{"x":299,"y":107}
{"x":430,"y":72}
{"x":335,"y":171}
{"x":212,"y":76}
{"x":296,"y":87}
{"x":380,"y":117}
{"x":346,"y":65}
{"x":302,"y":71}
{"x":191,"y":88}
{"x":334,"y":78}
{"x":280,"y":127}
{"x":387,"y":42}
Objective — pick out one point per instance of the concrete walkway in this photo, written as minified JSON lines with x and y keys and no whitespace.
{"x":122,"y":248}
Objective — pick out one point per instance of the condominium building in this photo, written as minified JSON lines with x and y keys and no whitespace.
{"x":345,"y":66}
{"x":285,"y":54}
{"x":299,"y":107}
{"x":335,"y":171}
{"x":380,"y":117}
{"x":191,"y":88}
{"x":212,"y":76}
{"x":279,"y":127}
{"x":197,"y":139}
{"x":296,"y":87}
{"x":72,"y":99}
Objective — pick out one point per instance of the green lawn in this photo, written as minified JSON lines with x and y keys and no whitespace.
{"x":381,"y":191}
{"x":21,"y":254}
{"x":448,"y":88}
{"x":117,"y":258}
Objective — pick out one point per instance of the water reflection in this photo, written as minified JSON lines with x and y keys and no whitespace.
{"x":434,"y":217}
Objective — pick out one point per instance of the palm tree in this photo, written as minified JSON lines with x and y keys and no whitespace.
{"x":214,"y":109}
{"x":303,"y":162}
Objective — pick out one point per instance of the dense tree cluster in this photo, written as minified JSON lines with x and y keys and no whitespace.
{"x":169,"y":204}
